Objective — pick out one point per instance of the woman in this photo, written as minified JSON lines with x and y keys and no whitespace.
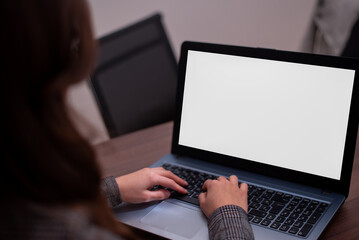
{"x":50,"y":181}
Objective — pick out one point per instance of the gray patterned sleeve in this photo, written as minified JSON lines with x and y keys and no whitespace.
{"x":229,"y":222}
{"x":111,"y":191}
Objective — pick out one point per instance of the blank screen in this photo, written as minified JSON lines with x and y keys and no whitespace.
{"x":284,"y":114}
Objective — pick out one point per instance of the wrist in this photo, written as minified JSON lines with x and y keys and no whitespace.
{"x":120,"y":188}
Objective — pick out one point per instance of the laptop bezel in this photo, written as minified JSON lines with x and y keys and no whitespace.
{"x":327,"y":184}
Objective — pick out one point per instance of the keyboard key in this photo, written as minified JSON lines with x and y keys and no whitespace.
{"x":256,"y":193}
{"x":293,"y":230}
{"x":264,"y":208}
{"x":189,"y":193}
{"x":267,"y":202}
{"x":195,"y":195}
{"x":289,"y":208}
{"x":296,"y":198}
{"x":166,"y":166}
{"x":311,"y":207}
{"x":265,"y":222}
{"x":289,"y":221}
{"x":280,"y":198}
{"x":303,"y":218}
{"x":288,"y":195}
{"x":307,"y":212}
{"x":267,"y":195}
{"x":303,"y":205}
{"x":280,"y":219}
{"x":314,"y":218}
{"x":270,"y":216}
{"x":258,"y":213}
{"x":256,"y":220}
{"x":284,"y":228}
{"x":294,"y":216}
{"x":275,"y":225}
{"x":324,"y":205}
{"x":320,"y":209}
{"x":285,"y":213}
{"x":278,"y":204}
{"x":277,"y":207}
{"x":305,"y":230}
{"x":186,"y":198}
{"x":254,"y":205}
{"x":257,"y":199}
{"x":270,"y":191}
{"x":298,"y":224}
{"x":155,"y":188}
{"x":298,"y":210}
{"x":275,"y":210}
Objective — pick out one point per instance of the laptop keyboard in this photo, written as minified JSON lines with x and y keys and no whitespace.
{"x":268,"y":208}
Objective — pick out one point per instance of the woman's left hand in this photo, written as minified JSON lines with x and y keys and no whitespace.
{"x":135,"y":187}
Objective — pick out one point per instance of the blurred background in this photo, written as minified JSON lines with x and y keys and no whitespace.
{"x":279,"y":24}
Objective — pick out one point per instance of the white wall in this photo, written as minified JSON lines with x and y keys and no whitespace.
{"x":279,"y":24}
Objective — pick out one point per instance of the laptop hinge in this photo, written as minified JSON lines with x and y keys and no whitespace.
{"x":326,"y":192}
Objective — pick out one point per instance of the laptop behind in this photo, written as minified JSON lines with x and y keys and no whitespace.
{"x":281,"y":121}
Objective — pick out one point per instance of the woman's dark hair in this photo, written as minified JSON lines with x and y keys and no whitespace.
{"x":46,"y":46}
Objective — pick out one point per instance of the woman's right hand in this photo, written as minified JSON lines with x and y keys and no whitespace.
{"x":135,"y":187}
{"x":223,"y":192}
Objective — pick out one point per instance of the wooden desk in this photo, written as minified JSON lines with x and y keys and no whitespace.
{"x":140,"y":149}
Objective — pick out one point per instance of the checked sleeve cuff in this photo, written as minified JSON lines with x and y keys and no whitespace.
{"x":229,"y":222}
{"x":111,"y":191}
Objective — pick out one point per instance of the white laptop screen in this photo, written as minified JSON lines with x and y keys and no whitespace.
{"x":284,"y":114}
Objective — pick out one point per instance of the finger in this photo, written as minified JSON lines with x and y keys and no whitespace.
{"x":202,"y":198}
{"x":157,"y":168}
{"x":157,"y":195}
{"x":173,"y":176}
{"x":205,"y":184}
{"x":221,"y":179}
{"x":244,"y":187}
{"x":233,"y":179}
{"x":167,"y":182}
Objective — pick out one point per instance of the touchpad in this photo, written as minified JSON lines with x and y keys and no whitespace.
{"x":176,"y":219}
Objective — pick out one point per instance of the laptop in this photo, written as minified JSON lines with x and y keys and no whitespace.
{"x":285,"y":123}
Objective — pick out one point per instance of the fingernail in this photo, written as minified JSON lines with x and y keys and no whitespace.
{"x":167,"y":195}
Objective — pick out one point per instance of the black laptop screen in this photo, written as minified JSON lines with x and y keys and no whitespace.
{"x":282,"y":114}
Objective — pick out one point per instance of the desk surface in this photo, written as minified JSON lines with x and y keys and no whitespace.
{"x":140,"y":149}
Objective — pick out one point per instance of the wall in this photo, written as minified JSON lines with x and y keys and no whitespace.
{"x":279,"y":24}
